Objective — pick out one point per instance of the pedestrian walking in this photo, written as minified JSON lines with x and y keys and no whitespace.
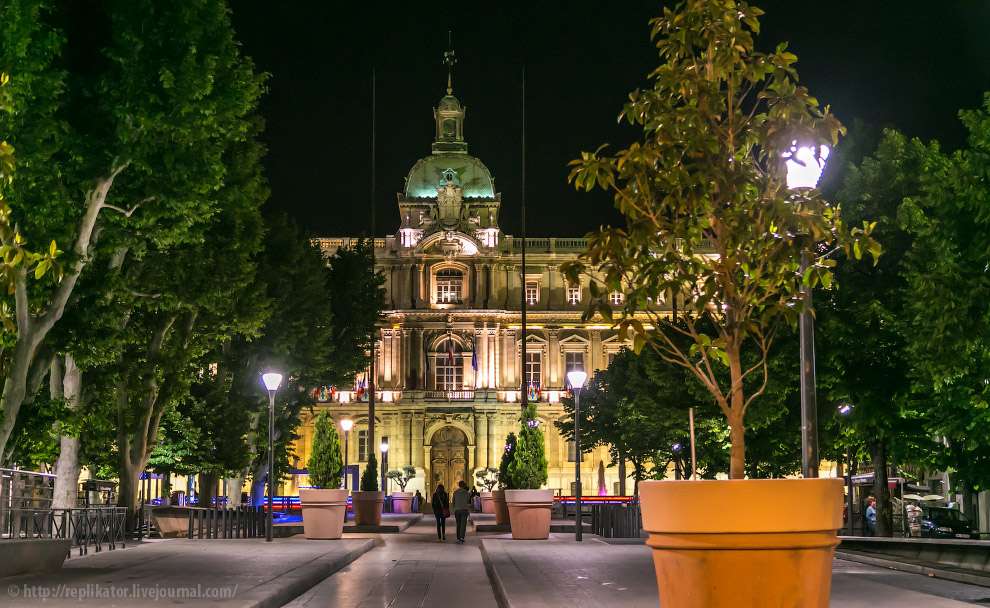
{"x":462,"y":502}
{"x":417,"y":502}
{"x":871,"y":518}
{"x":441,"y":510}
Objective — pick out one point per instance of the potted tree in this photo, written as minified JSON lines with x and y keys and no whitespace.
{"x":324,"y":505}
{"x":487,"y":477}
{"x":504,"y":482}
{"x":529,"y":506}
{"x":402,"y":500}
{"x":368,"y":502}
{"x":713,"y":228}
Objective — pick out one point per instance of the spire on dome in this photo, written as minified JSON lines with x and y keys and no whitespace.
{"x":450,"y":60}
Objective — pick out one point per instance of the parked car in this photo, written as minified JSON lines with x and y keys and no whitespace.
{"x":942,"y":522}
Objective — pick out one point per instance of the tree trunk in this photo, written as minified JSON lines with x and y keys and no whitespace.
{"x":622,"y":475}
{"x":129,"y":492}
{"x":734,"y":416}
{"x":235,"y":486}
{"x":885,"y":515}
{"x":258,"y":486}
{"x":207,"y":489}
{"x":66,"y":385}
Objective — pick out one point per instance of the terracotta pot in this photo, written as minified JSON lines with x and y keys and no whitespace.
{"x":529,"y":513}
{"x":323,"y":512}
{"x":487,"y":504}
{"x":367,"y":507}
{"x":402,"y":502}
{"x":501,"y":509}
{"x":743,"y":543}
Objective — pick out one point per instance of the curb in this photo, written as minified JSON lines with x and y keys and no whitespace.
{"x":496,"y":582}
{"x":981,"y":580}
{"x":306,"y":577}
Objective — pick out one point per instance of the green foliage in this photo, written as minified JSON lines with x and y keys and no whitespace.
{"x":709,"y":178}
{"x":528,"y":469}
{"x":508,"y":457}
{"x":403,"y":477}
{"x":369,"y":478}
{"x":487,"y":477}
{"x":353,"y":280}
{"x":326,"y":466}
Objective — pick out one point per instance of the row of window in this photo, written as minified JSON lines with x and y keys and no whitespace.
{"x":450,"y":290}
{"x":449,"y":369}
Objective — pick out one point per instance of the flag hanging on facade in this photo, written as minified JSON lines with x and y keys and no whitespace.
{"x":474,"y":360}
{"x":450,"y":351}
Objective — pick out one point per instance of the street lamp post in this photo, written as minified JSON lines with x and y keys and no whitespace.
{"x":384,"y":450}
{"x":677,"y":461}
{"x":845,"y":409}
{"x":804,"y":169}
{"x":576,"y":379}
{"x":346,"y":425}
{"x":272,"y":381}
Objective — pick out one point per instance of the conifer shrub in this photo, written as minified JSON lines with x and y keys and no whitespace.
{"x":325,"y":464}
{"x":369,"y":478}
{"x":528,"y":469}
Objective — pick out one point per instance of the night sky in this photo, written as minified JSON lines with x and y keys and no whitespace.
{"x":907,"y":64}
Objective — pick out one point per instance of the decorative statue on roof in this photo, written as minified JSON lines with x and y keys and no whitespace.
{"x":449,"y":200}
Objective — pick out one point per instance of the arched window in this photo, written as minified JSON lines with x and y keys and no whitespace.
{"x":449,"y":367}
{"x":450,"y":283}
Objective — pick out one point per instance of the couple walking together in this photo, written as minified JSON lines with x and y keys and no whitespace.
{"x":441,"y":510}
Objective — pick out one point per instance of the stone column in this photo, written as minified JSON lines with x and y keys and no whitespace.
{"x":481,"y":438}
{"x":416,"y":359}
{"x":595,"y":338}
{"x":553,"y":357}
{"x":404,"y":364}
{"x":415,"y":276}
{"x":386,"y":357}
{"x":494,"y":444}
{"x":491,"y":359}
{"x":418,"y":454}
{"x":478,"y":355}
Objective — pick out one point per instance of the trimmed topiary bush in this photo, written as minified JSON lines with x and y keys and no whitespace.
{"x":528,"y":470}
{"x":325,"y":464}
{"x":504,"y":481}
{"x":369,"y":479}
{"x":402,"y":477}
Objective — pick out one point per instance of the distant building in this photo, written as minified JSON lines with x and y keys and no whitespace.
{"x":448,"y":357}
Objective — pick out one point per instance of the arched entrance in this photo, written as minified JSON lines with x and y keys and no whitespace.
{"x":448,"y":457}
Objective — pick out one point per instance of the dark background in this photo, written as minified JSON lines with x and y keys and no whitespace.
{"x":911,"y":65}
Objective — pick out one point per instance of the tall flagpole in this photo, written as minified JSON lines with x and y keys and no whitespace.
{"x":374,"y":332}
{"x":522,"y":275}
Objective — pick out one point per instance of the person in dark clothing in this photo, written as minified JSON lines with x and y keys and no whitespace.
{"x":462,"y":500}
{"x":441,"y":510}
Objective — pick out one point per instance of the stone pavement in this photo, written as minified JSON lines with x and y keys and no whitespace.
{"x":409,"y":569}
{"x":557,"y":572}
{"x":246,"y":573}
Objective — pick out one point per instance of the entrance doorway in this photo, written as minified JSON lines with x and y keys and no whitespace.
{"x":448,"y":458}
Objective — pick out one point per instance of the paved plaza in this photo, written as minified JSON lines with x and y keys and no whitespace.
{"x":409,"y":569}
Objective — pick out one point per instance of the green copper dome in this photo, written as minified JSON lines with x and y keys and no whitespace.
{"x":430,"y":174}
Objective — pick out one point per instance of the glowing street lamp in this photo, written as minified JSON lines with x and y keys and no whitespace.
{"x":272,"y":381}
{"x":346,"y":425}
{"x":844,"y":409}
{"x":383,"y":448}
{"x":804,"y":169}
{"x":576,"y":379}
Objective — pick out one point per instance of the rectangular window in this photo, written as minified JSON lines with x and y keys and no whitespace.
{"x":609,"y":357}
{"x":573,"y":361}
{"x":616,"y":298}
{"x":534,"y":368}
{"x":362,"y":445}
{"x":573,"y":294}
{"x":532,"y":292}
{"x":450,"y":283}
{"x":449,"y":376}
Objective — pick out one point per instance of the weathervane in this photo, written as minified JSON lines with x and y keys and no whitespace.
{"x":450,"y":60}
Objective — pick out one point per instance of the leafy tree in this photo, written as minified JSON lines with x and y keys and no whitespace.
{"x":508,"y":457}
{"x":862,"y":327}
{"x":709,"y":177}
{"x":138,"y":139}
{"x":402,"y":477}
{"x":948,"y":345}
{"x":528,"y":469}
{"x":325,"y":466}
{"x":369,"y":478}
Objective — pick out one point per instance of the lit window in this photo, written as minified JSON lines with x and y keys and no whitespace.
{"x":450,"y":282}
{"x":616,"y":298}
{"x":573,"y":362}
{"x":574,"y":294}
{"x":362,"y":445}
{"x":450,"y":367}
{"x":534,"y":368}
{"x":532,"y":292}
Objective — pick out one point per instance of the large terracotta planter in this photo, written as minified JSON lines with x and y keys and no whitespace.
{"x":487,"y":504}
{"x":367,"y":507}
{"x":323,"y":512}
{"x":402,"y":502}
{"x":529,"y":513}
{"x":743,"y":543}
{"x":501,"y":509}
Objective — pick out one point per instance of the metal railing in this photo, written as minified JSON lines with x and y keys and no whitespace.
{"x":86,"y":527}
{"x":616,"y":521}
{"x":238,"y":522}
{"x":449,"y":395}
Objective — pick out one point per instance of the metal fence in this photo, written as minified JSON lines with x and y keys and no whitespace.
{"x":616,"y":520}
{"x":86,"y":527}
{"x":239,"y":522}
